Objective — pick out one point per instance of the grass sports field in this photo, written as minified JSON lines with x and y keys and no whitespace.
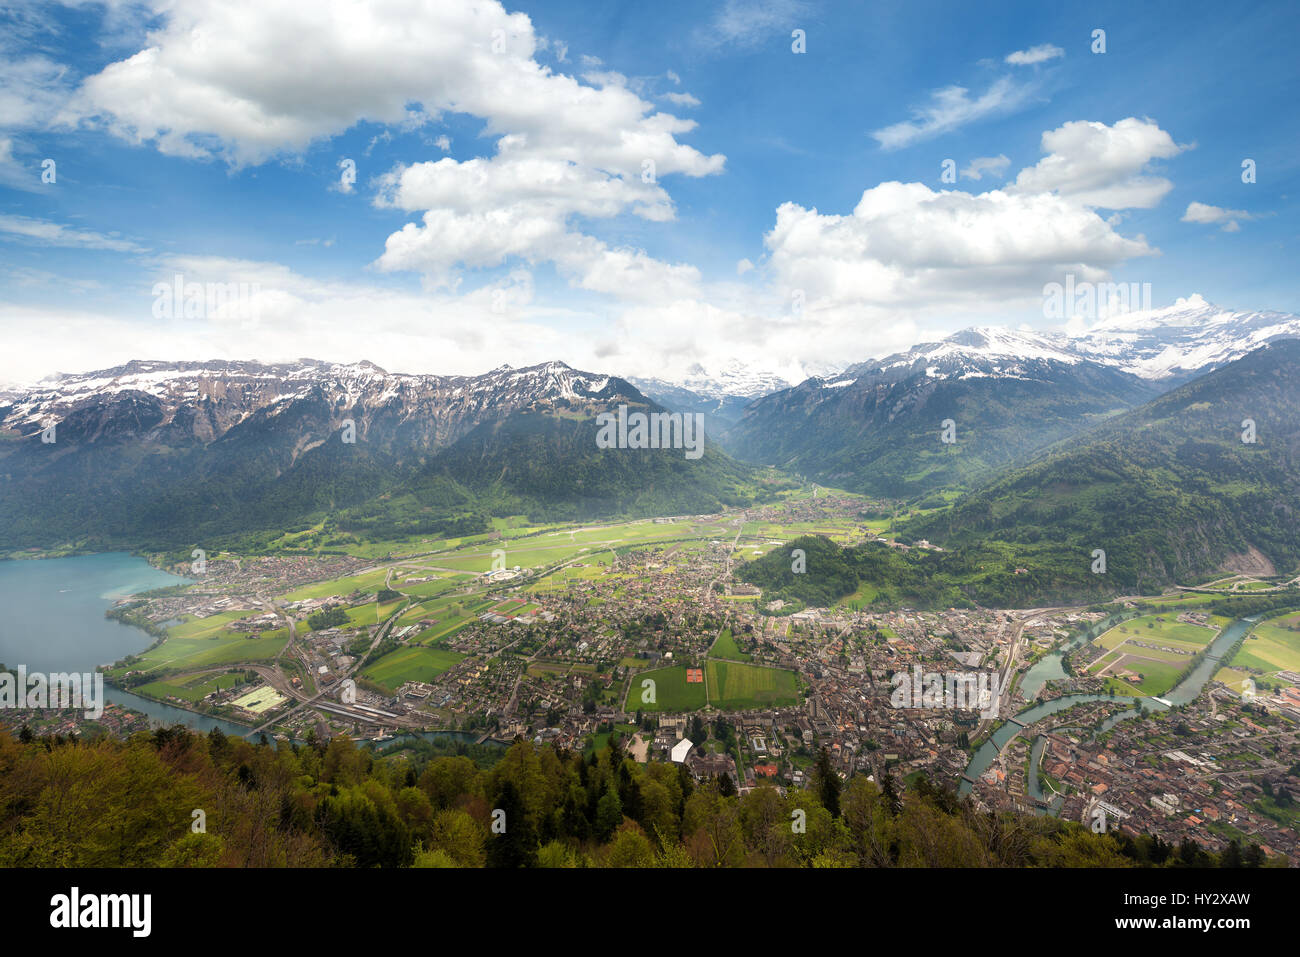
{"x":731,"y":686}
{"x":410,"y":664}
{"x":734,"y":685}
{"x":259,"y":700}
{"x":671,"y":691}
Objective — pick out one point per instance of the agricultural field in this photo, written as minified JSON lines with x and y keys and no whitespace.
{"x":751,"y":550}
{"x":410,"y":664}
{"x":193,"y":688}
{"x":1176,"y":644}
{"x":1151,"y":630}
{"x":562,"y":545}
{"x":557,"y":580}
{"x":370,"y":581}
{"x":450,"y":620}
{"x":1234,"y":678}
{"x":1157,"y":676}
{"x":768,"y":532}
{"x":441,"y":607}
{"x":221,"y":647}
{"x":734,"y":685}
{"x":1122,"y":688}
{"x":1272,"y":646}
{"x":1101,"y":663}
{"x":361,"y":616}
{"x":446,"y":581}
{"x":397,"y":548}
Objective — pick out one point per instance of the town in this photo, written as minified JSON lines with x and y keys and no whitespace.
{"x":570,"y":635}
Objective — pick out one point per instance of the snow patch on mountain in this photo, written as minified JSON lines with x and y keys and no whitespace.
{"x":232,"y":391}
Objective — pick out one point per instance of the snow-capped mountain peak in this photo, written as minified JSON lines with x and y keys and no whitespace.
{"x":1175,"y":341}
{"x":719,"y":381}
{"x":976,"y":352}
{"x":998,"y":342}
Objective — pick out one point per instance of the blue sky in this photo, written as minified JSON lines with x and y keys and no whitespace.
{"x":501,"y":213}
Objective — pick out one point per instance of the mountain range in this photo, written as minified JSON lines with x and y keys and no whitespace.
{"x":1022,"y":430}
{"x":1205,"y":478}
{"x":876,"y":427}
{"x":1201,"y":481}
{"x":165,"y":453}
{"x":1169,"y":343}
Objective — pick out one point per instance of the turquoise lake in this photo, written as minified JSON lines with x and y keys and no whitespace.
{"x":53,"y":620}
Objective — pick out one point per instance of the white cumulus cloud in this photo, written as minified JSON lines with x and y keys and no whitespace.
{"x":1100,"y":165}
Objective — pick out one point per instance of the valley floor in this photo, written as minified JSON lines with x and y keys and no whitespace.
{"x":567,"y":634}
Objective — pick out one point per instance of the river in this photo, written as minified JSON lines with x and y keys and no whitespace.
{"x":1183,"y":693}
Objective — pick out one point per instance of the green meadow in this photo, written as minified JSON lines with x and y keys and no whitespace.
{"x":193,"y":627}
{"x":725,"y":647}
{"x":224,"y":647}
{"x":192,"y":689}
{"x":1147,"y":628}
{"x":410,"y":664}
{"x":370,"y":581}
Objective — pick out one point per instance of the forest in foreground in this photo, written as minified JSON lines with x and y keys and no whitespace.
{"x":172,"y":798}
